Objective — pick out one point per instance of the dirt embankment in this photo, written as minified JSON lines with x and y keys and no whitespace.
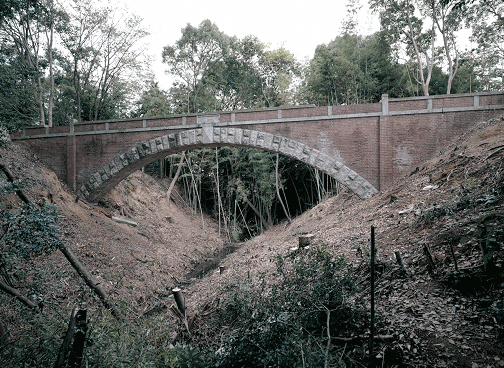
{"x":135,"y":264}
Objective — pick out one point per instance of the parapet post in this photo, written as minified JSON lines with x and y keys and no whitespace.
{"x":384,"y":104}
{"x":382,"y":160}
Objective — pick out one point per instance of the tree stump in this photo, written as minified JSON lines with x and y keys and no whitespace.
{"x":179,"y":300}
{"x":305,"y":240}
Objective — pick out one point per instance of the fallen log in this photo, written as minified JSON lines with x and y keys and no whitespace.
{"x":10,"y":178}
{"x":70,"y":257}
{"x":90,"y":281}
{"x":124,"y":221}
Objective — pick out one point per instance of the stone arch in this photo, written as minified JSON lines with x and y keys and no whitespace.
{"x":127,"y":162}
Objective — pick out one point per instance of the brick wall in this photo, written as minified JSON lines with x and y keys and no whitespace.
{"x":379,"y":146}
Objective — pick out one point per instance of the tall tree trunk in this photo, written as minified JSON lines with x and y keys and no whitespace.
{"x":196,"y":193}
{"x":175,"y":178}
{"x":51,"y":72}
{"x":261,"y":218}
{"x":219,"y":199}
{"x":40,"y":99}
{"x":278,"y":190}
{"x":423,"y":81}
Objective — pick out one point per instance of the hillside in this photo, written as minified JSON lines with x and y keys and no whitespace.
{"x":137,"y":264}
{"x":437,"y":316}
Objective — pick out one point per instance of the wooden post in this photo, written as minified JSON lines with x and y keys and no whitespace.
{"x":400,"y":261}
{"x":179,"y":299}
{"x":65,"y":346}
{"x":371,"y":335}
{"x":429,"y":256}
{"x":454,"y":258}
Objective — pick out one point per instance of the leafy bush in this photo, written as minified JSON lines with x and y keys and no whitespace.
{"x":5,"y":140}
{"x":284,"y":323}
{"x":30,"y":229}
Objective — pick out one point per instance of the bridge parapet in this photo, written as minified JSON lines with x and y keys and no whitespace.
{"x":388,"y":106}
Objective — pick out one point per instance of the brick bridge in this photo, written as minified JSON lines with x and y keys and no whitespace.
{"x":365,"y":147}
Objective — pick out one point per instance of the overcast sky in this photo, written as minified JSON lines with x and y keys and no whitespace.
{"x":299,"y":26}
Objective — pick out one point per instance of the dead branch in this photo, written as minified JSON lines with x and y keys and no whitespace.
{"x":11,"y":291}
{"x":360,"y":339}
{"x":11,"y":179}
{"x":124,"y":221}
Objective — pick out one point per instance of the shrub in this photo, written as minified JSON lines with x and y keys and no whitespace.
{"x":283,"y":322}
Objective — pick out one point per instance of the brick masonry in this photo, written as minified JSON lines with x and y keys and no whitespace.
{"x":365,"y":147}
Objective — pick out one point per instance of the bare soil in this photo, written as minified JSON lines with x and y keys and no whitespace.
{"x":440,"y":204}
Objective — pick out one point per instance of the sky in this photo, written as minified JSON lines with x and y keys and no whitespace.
{"x":298,"y":26}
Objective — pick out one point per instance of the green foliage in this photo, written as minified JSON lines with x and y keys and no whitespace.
{"x":17,"y":89}
{"x":153,"y":102}
{"x":134,"y":344}
{"x":487,"y":23}
{"x":5,"y":140}
{"x":38,"y":340}
{"x":282,"y":320}
{"x":352,"y":69}
{"x":140,"y":343}
{"x":30,"y":230}
{"x":11,"y":187}
{"x":189,"y":357}
{"x":246,"y":178}
{"x":193,"y":57}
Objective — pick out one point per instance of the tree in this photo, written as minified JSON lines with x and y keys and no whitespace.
{"x":404,"y":24}
{"x":22,"y":31}
{"x":107,"y":63}
{"x":352,"y":69}
{"x":153,"y":102}
{"x":17,"y":90}
{"x":448,"y":20}
{"x":487,"y":21}
{"x":240,"y":81}
{"x":194,"y":55}
{"x":278,"y":68}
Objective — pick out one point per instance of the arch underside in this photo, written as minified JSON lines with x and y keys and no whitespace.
{"x":127,"y":162}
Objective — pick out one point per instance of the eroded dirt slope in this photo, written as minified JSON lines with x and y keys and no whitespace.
{"x":135,"y":264}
